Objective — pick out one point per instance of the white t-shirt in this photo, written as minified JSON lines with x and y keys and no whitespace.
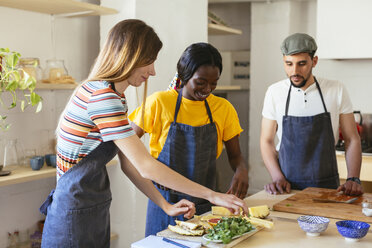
{"x":306,"y":102}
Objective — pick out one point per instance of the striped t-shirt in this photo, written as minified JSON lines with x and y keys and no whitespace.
{"x":95,"y":114}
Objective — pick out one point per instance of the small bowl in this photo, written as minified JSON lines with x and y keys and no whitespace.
{"x":51,"y":160}
{"x":36,"y":162}
{"x":313,"y":225}
{"x":352,"y":230}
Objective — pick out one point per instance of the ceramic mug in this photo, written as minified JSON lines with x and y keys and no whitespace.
{"x":51,"y":160}
{"x":37,"y":162}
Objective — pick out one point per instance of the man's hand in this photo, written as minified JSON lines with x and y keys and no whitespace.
{"x":351,"y":188}
{"x":239,"y":183}
{"x":184,"y":207}
{"x":280,"y":186}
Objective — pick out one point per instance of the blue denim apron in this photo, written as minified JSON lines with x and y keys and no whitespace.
{"x":307,"y":155}
{"x":77,"y":211}
{"x":191,"y":151}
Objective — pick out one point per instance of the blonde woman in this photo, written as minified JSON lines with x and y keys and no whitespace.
{"x":93,"y":129}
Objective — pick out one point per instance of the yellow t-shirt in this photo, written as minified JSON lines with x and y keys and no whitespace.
{"x":159,"y":114}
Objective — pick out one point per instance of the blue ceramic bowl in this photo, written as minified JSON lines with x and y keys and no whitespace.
{"x":352,"y":230}
{"x":51,"y":160}
{"x":313,"y":225}
{"x":36,"y":162}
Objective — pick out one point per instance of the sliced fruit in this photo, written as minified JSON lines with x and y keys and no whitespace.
{"x":209,"y":216}
{"x":218,"y":210}
{"x":214,"y":221}
{"x":259,"y":211}
{"x":260,"y":222}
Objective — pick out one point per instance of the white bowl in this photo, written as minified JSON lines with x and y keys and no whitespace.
{"x":313,"y":225}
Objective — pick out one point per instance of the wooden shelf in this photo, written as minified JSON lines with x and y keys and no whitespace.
{"x":59,"y":7}
{"x":22,"y":174}
{"x":41,"y":86}
{"x":215,"y":29}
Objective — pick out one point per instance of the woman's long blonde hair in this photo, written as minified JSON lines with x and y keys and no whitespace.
{"x":130,"y":44}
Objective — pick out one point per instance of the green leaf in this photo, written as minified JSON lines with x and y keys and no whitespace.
{"x":12,"y":86}
{"x":4,"y":50}
{"x":39,"y":107}
{"x":23,"y":105}
{"x":35,"y":98}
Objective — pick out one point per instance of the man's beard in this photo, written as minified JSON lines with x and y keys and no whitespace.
{"x":302,"y":84}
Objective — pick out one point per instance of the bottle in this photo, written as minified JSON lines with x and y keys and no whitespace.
{"x":31,"y":66}
{"x":10,"y":154}
{"x":55,"y":70}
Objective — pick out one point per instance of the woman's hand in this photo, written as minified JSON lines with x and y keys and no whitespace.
{"x":185,"y":207}
{"x":229,"y":201}
{"x":239,"y":183}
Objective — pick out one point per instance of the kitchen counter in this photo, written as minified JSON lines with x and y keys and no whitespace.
{"x":287,"y":233}
{"x":365,"y":173}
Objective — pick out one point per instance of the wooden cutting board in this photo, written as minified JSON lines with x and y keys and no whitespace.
{"x":302,"y":203}
{"x":169,"y":234}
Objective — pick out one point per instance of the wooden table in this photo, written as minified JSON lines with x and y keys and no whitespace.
{"x":287,"y":233}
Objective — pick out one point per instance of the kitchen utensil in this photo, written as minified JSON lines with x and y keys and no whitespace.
{"x":37,"y":162}
{"x":302,"y":203}
{"x":31,"y":66}
{"x":10,"y":153}
{"x":352,"y":230}
{"x":313,"y":225}
{"x":335,"y":201}
{"x":51,"y":160}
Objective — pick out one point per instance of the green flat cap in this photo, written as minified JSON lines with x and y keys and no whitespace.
{"x":298,"y":43}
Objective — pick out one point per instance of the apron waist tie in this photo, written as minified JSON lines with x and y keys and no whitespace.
{"x":44,"y":207}
{"x":161,"y":187}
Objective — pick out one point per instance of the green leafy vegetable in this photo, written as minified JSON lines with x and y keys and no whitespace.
{"x":227,"y":228}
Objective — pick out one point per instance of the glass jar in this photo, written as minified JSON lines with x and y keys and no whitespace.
{"x":31,"y":66}
{"x":55,"y":69}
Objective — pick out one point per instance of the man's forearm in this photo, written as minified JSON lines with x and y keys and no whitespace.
{"x":353,"y":157}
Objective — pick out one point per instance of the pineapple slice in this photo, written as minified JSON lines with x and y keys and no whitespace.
{"x":259,"y":211}
{"x":222,"y":211}
{"x":260,"y":222}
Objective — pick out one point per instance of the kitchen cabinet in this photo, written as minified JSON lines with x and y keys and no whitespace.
{"x":365,"y":173}
{"x":342,"y":29}
{"x":216,"y":29}
{"x":59,"y":7}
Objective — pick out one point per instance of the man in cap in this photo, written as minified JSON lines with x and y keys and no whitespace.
{"x":305,"y":113}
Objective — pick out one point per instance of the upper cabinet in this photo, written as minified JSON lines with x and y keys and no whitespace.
{"x":59,"y":7}
{"x":343,"y":29}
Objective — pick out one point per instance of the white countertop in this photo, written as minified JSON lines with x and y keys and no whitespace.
{"x":287,"y":233}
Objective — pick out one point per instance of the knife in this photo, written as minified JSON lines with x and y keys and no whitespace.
{"x":335,"y":201}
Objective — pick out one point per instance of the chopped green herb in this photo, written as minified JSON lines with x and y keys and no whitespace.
{"x":227,"y":228}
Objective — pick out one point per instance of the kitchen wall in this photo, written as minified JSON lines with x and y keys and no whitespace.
{"x":271,"y":23}
{"x":77,"y":43}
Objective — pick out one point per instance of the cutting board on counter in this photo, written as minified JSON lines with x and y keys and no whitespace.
{"x":302,"y":203}
{"x":169,"y":234}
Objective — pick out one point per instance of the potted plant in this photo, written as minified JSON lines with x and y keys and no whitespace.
{"x":16,"y":85}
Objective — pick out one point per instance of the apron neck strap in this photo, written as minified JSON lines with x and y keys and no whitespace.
{"x":321,"y":95}
{"x":289,"y":97}
{"x":178,"y":105}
